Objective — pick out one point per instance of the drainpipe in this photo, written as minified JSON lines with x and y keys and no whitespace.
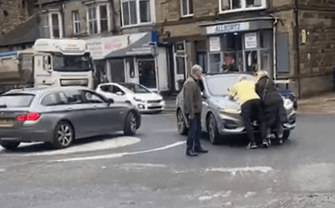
{"x":63,"y":20}
{"x":296,"y":10}
{"x":274,"y":47}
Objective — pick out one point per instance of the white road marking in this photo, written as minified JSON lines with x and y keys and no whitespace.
{"x":118,"y":155}
{"x":92,"y":146}
{"x":139,"y":166}
{"x":215,"y":195}
{"x":2,"y":170}
{"x":233,"y":171}
{"x":165,"y":130}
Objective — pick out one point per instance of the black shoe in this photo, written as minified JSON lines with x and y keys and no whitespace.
{"x":252,"y":145}
{"x":191,"y":153}
{"x":265,"y":143}
{"x":200,"y":150}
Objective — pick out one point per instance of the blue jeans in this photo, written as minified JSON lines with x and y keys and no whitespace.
{"x":194,"y":133}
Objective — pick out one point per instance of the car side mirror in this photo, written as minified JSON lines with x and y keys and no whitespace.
{"x":119,"y":93}
{"x":110,"y":101}
{"x":203,"y":95}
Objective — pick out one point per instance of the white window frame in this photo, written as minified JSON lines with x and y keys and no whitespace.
{"x":188,"y":9}
{"x":76,"y":22}
{"x":98,"y":18}
{"x":60,"y":25}
{"x":243,"y":8}
{"x":138,"y":15}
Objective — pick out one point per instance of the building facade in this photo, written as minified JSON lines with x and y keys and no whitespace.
{"x":292,"y":40}
{"x":119,"y":33}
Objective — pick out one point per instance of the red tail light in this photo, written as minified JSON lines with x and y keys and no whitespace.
{"x":28,"y":117}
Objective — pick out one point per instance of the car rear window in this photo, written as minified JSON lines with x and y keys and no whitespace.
{"x":16,"y":100}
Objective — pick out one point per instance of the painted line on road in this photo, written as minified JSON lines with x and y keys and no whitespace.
{"x":118,"y":155}
{"x":108,"y":143}
{"x":2,"y":170}
{"x":233,"y":171}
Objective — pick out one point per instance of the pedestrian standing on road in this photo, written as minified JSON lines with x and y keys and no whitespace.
{"x":251,"y":109}
{"x":271,"y":101}
{"x":192,"y":109}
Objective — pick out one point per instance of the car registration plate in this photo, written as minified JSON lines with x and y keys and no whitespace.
{"x":6,"y":122}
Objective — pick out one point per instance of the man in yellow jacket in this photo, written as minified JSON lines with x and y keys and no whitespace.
{"x":251,"y":109}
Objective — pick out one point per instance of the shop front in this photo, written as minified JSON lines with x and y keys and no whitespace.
{"x":135,"y":58}
{"x":239,"y":46}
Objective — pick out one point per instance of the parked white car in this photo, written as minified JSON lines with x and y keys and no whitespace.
{"x":133,"y":94}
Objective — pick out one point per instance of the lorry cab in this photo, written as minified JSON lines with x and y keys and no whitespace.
{"x":62,"y":62}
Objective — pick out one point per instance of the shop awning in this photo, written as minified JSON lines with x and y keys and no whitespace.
{"x":139,"y":47}
{"x":24,"y":33}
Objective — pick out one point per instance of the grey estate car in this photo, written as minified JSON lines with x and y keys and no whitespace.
{"x":220,"y":115}
{"x":60,"y":115}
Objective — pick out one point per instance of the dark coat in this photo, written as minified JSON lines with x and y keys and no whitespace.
{"x":272,"y":101}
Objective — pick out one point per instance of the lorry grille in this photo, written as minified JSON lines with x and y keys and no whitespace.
{"x":74,"y":82}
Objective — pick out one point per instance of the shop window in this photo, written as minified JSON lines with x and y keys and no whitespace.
{"x":76,"y":22}
{"x":202,"y":61}
{"x":240,"y":5}
{"x":135,"y":12}
{"x":147,"y":73}
{"x":186,"y":8}
{"x":98,"y":19}
{"x":215,"y":62}
{"x":130,"y":67}
{"x":231,"y":42}
{"x":181,"y":65}
{"x":266,"y":39}
{"x":251,"y":60}
{"x":117,"y":70}
{"x":265,"y":60}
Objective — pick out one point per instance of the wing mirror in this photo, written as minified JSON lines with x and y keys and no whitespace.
{"x":110,"y":101}
{"x":119,"y":93}
{"x":203,"y":95}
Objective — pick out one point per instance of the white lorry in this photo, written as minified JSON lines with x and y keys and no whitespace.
{"x":51,"y":62}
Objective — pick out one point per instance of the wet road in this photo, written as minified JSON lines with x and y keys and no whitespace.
{"x":151,"y":170}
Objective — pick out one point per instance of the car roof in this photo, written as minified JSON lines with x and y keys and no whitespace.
{"x":227,"y":74}
{"x":43,"y":90}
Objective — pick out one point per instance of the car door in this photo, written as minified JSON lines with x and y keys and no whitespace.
{"x":106,"y":117}
{"x":119,"y":95}
{"x":81,"y":114}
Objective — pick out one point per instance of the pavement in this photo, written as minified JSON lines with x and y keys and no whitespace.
{"x":323,"y":103}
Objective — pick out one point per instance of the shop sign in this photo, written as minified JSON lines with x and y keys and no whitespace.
{"x":250,"y":40}
{"x":214,"y":43}
{"x":227,"y":28}
{"x":99,"y":47}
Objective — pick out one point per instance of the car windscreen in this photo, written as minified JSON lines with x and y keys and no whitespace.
{"x":136,"y":88}
{"x":218,"y":85}
{"x":16,"y":100}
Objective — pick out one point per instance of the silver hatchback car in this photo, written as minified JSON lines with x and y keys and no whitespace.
{"x":60,"y":115}
{"x":221,"y":116}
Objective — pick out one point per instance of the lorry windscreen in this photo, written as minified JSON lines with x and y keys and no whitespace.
{"x":71,"y":62}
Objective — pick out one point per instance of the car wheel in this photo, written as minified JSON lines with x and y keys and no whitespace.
{"x":181,"y":125}
{"x":131,"y":124}
{"x":9,"y":145}
{"x":64,"y":135}
{"x":212,"y":129}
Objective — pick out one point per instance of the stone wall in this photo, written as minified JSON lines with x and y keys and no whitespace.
{"x":13,"y":13}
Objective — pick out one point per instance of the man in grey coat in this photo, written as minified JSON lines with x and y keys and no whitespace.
{"x":192,"y":109}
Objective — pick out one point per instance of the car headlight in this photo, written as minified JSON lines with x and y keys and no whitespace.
{"x":288,"y":103}
{"x":230,"y":109}
{"x":138,"y":99}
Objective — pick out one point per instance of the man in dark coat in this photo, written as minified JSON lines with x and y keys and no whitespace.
{"x":192,"y":108}
{"x":271,"y":101}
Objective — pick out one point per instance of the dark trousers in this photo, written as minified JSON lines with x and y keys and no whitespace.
{"x":194,"y":133}
{"x":251,"y":111}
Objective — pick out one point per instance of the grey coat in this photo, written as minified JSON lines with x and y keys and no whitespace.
{"x":192,"y":97}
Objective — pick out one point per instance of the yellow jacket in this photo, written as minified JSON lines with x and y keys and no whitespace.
{"x":245,"y":91}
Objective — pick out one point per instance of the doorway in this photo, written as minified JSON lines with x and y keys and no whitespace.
{"x":147,"y":72}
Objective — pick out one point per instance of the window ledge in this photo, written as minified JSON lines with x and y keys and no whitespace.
{"x":138,"y":25}
{"x":187,"y":16}
{"x":242,"y":10}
